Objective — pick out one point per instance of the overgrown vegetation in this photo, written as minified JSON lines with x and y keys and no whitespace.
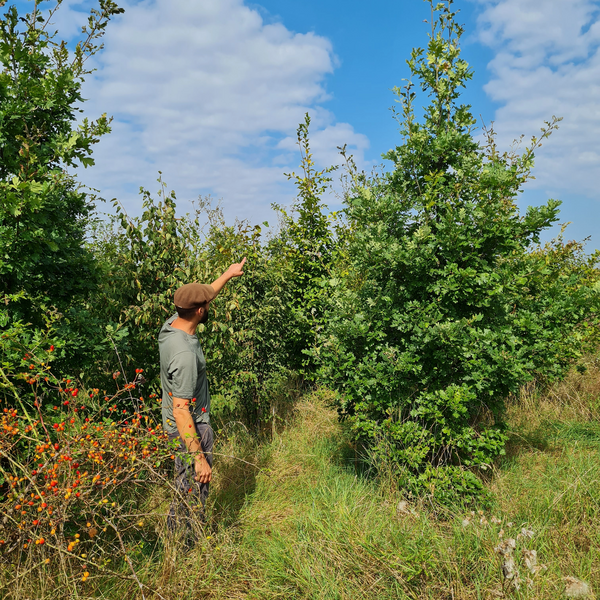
{"x":442,"y":310}
{"x":426,"y":312}
{"x":291,"y":518}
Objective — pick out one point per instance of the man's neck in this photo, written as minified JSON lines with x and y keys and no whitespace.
{"x":188,"y":327}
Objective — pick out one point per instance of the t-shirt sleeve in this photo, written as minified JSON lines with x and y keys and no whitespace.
{"x":183,"y":373}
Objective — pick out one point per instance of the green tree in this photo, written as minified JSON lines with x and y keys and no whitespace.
{"x":308,"y":241}
{"x":145,"y":259}
{"x":43,"y":210}
{"x":443,"y":311}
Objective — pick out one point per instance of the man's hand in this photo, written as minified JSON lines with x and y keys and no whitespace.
{"x":236,"y":269}
{"x":203,"y":470}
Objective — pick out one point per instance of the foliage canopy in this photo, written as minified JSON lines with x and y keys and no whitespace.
{"x":44,"y":213}
{"x":442,"y":311}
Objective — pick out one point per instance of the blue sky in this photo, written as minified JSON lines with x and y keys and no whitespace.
{"x":372,"y":42}
{"x":210,"y":92}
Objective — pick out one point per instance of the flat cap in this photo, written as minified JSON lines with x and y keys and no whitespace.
{"x":192,"y":295}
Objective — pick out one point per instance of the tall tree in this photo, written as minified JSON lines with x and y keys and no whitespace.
{"x":43,"y":210}
{"x":443,"y":310}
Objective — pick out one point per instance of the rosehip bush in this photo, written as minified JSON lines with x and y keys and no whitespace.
{"x":78,"y":474}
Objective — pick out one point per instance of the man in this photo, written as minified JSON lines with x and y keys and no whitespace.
{"x":185,"y":394}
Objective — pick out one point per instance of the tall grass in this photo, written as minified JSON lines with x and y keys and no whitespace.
{"x":294,"y":518}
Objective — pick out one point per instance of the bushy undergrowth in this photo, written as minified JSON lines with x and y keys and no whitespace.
{"x":424,"y":306}
{"x":75,"y":474}
{"x":293,"y":518}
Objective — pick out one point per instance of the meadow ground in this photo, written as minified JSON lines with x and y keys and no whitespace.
{"x":292,"y":518}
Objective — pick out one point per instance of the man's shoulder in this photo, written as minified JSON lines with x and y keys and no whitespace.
{"x":166,"y":330}
{"x":170,"y":342}
{"x":166,"y":326}
{"x":173,"y":342}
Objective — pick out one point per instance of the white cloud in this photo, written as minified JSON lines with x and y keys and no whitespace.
{"x":547,"y":63}
{"x":211,"y":95}
{"x":325,"y":143}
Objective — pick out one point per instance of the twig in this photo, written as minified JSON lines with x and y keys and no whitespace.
{"x":242,"y":460}
{"x":37,"y":405}
{"x":124,"y":374}
{"x":128,"y":559}
{"x":11,"y":386}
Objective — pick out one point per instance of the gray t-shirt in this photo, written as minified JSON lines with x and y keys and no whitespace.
{"x":183,"y":374}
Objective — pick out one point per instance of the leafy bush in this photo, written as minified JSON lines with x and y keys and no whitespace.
{"x":443,"y":310}
{"x":145,"y":259}
{"x":309,"y":241}
{"x":44,"y":212}
{"x":77,"y":476}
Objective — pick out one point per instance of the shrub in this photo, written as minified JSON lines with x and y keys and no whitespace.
{"x":443,"y":310}
{"x":77,"y":476}
{"x":309,"y":242}
{"x":246,"y":340}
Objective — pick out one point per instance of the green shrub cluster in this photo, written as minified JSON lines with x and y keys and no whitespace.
{"x":443,"y":308}
{"x":425,"y":303}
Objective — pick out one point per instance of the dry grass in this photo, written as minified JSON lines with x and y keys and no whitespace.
{"x":576,"y":398}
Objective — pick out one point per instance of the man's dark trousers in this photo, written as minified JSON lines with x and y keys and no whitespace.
{"x":190,"y":494}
